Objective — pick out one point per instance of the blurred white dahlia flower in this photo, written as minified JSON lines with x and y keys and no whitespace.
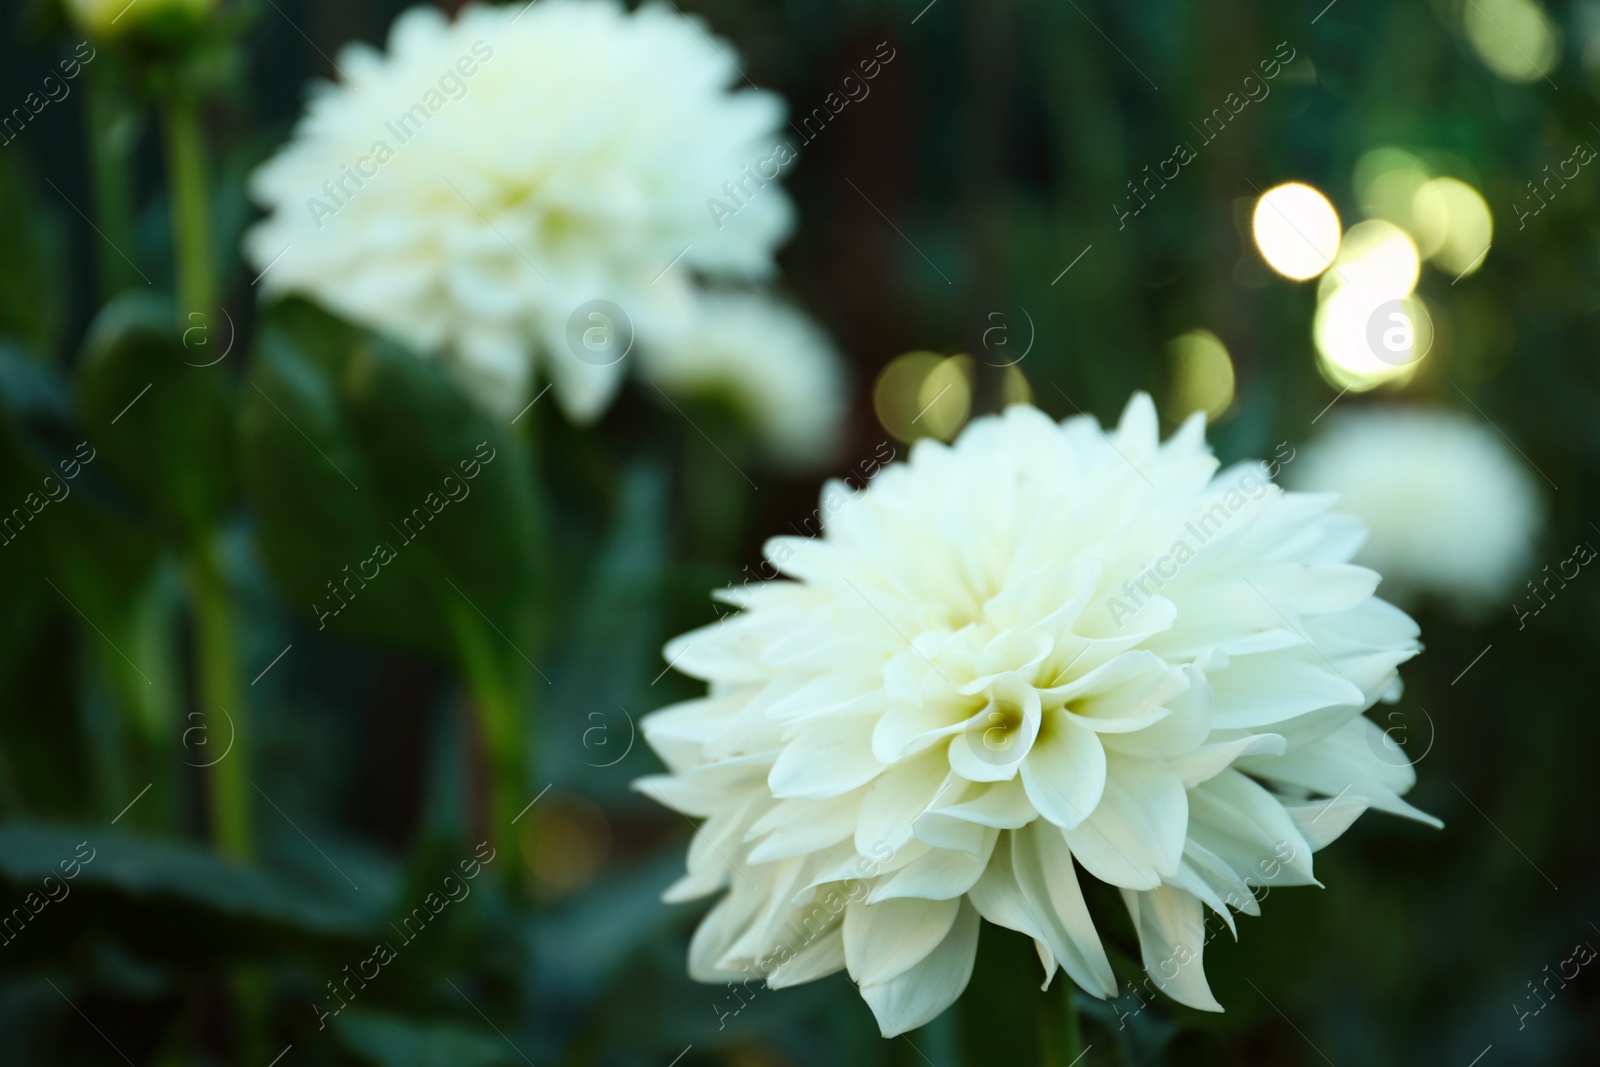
{"x":473,"y":191}
{"x":770,"y":360}
{"x":1038,"y":654}
{"x":1452,"y":512}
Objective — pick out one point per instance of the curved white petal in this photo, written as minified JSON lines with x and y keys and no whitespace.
{"x":1064,"y":773}
{"x":917,"y":996}
{"x":1172,"y":939}
{"x":1042,"y":865}
{"x":884,"y":940}
{"x":1135,"y":835}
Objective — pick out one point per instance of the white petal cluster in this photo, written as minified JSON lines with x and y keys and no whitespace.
{"x":770,"y":360}
{"x":470,"y":190}
{"x":1452,"y":511}
{"x":1041,"y":654}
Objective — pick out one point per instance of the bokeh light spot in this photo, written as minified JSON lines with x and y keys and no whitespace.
{"x":1202,"y":376}
{"x":1387,"y":180}
{"x":1369,"y":329}
{"x":1014,"y":387}
{"x":924,"y":394}
{"x":1514,"y":38}
{"x":564,"y":842}
{"x":1453,"y":225}
{"x":1296,"y":230}
{"x":1377,"y":256}
{"x":1361,"y":344}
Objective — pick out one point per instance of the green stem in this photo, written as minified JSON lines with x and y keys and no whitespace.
{"x":191,"y":211}
{"x":222,"y":689}
{"x":112,"y":130}
{"x":1072,"y":1032}
{"x":148,"y":698}
{"x":1060,"y":1036}
{"x":500,"y":694}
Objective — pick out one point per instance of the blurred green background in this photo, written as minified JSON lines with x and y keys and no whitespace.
{"x":992,"y":152}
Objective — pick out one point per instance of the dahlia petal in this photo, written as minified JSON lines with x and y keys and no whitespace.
{"x":1374,"y":624}
{"x":1335,"y":539}
{"x":1002,"y":805}
{"x":1221,"y":877}
{"x":719,"y":651}
{"x":817,"y":958}
{"x":975,"y":759}
{"x":947,"y":833}
{"x":583,"y":390}
{"x":906,"y":726}
{"x":1189,"y":438}
{"x":1041,"y":863}
{"x":1258,"y":691}
{"x":1129,"y":683}
{"x":689,"y":795}
{"x":999,"y":898}
{"x":1010,"y":654}
{"x":1046,"y":601}
{"x":826,"y":760}
{"x":1320,"y":589}
{"x":1208,"y":761}
{"x":1321,"y":822}
{"x":1102,"y":632}
{"x":709,"y":866}
{"x":1227,"y":616}
{"x":1348,"y":760}
{"x":920,"y":994}
{"x":831,"y":694}
{"x":895,"y":799}
{"x":842,"y":863}
{"x":1191,"y":880}
{"x":1182,"y":731}
{"x":1139,"y":429}
{"x":1171,"y":941}
{"x":1064,"y":773}
{"x":943,"y":873}
{"x":1248,"y":828}
{"x":718,"y":930}
{"x":765,"y":921}
{"x":1135,"y":835}
{"x":679,"y":732}
{"x":887,"y":939}
{"x":798,"y":827}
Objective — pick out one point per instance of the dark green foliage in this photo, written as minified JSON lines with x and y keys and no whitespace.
{"x":994,"y":149}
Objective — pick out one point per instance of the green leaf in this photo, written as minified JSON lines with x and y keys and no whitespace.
{"x":69,"y":545}
{"x":384,"y":496}
{"x":87,"y":539}
{"x":610,"y":649}
{"x":392,"y":1042}
{"x":163,"y":421}
{"x":31,"y":283}
{"x":149,"y":873}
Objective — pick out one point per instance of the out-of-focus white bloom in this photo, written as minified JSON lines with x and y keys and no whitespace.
{"x":109,"y":18}
{"x":1039,"y":649}
{"x":770,"y":360}
{"x":1452,"y":511}
{"x":474,"y":191}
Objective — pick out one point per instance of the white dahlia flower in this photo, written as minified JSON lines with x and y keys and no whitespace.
{"x":1452,"y":511}
{"x":1037,"y":655}
{"x":476,"y":191}
{"x":770,"y":360}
